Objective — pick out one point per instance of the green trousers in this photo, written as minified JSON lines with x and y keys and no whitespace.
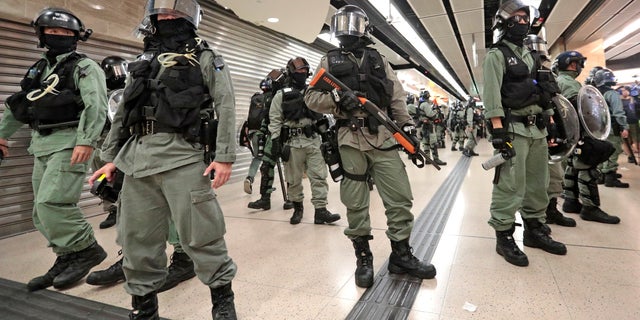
{"x":556,"y":175}
{"x":523,"y":184}
{"x":391,"y":180}
{"x":307,"y":159}
{"x":611,"y":165}
{"x":184,"y":196}
{"x":57,"y":186}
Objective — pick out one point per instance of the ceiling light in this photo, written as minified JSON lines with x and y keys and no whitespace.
{"x":273,"y":20}
{"x":630,"y":28}
{"x":416,"y":41}
{"x":97,"y":6}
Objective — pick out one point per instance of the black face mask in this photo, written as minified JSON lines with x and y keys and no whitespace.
{"x":299,"y":80}
{"x":58,"y":44}
{"x":516,"y":33}
{"x":173,"y":32}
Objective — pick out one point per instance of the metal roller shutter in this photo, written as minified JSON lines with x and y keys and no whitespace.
{"x":249,"y":51}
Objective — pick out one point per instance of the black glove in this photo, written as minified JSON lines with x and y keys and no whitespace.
{"x":411,"y":130}
{"x":276,"y":148}
{"x":552,"y":132}
{"x":499,"y":139}
{"x":348,"y":101}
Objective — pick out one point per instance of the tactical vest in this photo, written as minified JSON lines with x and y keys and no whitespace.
{"x":258,"y":111}
{"x":293,"y":106}
{"x":370,"y":79}
{"x":50,"y":109}
{"x":172,"y":99}
{"x":518,"y":87}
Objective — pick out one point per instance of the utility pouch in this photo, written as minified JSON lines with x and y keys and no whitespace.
{"x":285,"y":154}
{"x":19,"y":107}
{"x":284,"y":134}
{"x":372,"y":124}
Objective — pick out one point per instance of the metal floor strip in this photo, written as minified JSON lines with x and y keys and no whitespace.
{"x":392,"y":295}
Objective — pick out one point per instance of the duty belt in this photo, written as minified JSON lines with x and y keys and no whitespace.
{"x":296,"y":132}
{"x":529,"y":120}
{"x":151,"y":127}
{"x":362,"y":123}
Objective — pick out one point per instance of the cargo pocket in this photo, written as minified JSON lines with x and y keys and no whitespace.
{"x":207,"y":221}
{"x":69,"y":184}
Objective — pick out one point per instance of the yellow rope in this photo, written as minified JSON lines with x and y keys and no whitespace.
{"x":51,"y":88}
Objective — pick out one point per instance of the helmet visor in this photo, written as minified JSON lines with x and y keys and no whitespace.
{"x":349,"y":23}
{"x":187,"y":9}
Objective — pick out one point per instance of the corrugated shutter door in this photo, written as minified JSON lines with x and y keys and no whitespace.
{"x":249,"y":51}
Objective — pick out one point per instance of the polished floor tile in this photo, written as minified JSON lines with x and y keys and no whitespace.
{"x":306,"y":271}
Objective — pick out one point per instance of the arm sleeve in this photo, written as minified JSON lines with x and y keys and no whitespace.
{"x":221,"y":89}
{"x":493,"y":72}
{"x":276,"y":118}
{"x":91,"y":82}
{"x":319,"y":101}
{"x":8,"y":124}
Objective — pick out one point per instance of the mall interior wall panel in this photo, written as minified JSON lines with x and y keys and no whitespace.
{"x":249,"y":51}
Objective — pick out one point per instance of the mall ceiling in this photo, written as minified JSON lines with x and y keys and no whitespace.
{"x":457,"y":31}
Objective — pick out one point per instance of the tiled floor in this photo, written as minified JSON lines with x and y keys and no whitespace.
{"x":306,"y":271}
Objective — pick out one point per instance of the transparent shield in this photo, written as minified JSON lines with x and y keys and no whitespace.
{"x":594,"y":113}
{"x":566,"y":119}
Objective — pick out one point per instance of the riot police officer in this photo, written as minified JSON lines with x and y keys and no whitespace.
{"x":115,"y":71}
{"x":427,"y":114}
{"x":170,"y":121}
{"x":516,"y":117}
{"x":471,"y":129}
{"x":457,"y":124}
{"x":64,"y":101}
{"x":604,"y":80}
{"x":580,"y":176}
{"x":294,"y":138}
{"x":370,"y":148}
{"x":276,"y":79}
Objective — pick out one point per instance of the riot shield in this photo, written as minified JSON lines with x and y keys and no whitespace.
{"x":114,"y":100}
{"x":568,"y":125}
{"x":594,"y":113}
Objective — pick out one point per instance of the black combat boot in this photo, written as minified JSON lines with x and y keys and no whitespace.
{"x":144,"y":307}
{"x":466,"y":153}
{"x":536,"y":237}
{"x":110,"y":221}
{"x":298,"y":210}
{"x":436,"y":158}
{"x":263,"y":203}
{"x":364,"y":262}
{"x":571,"y":205}
{"x":323,"y":216}
{"x":80,"y":263}
{"x":402,"y":261}
{"x":590,"y":213}
{"x":288,"y":205}
{"x":460,"y":148}
{"x":555,"y":217}
{"x":506,"y":247}
{"x":453,"y":147}
{"x":612,"y":181}
{"x":223,"y":306}
{"x":46,"y":280}
{"x":180,"y":269}
{"x":473,"y":153}
{"x":111,"y":275}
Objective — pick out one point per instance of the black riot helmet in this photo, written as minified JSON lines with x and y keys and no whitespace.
{"x":424,"y":95}
{"x":265,"y":85}
{"x":604,"y":77}
{"x":187,"y":9}
{"x":277,"y":78}
{"x":537,"y":44}
{"x":592,"y":73}
{"x":504,"y":19}
{"x":349,"y":24}
{"x":115,"y":71}
{"x":564,"y":59}
{"x":59,"y":18}
{"x":411,"y":99}
{"x":298,"y":63}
